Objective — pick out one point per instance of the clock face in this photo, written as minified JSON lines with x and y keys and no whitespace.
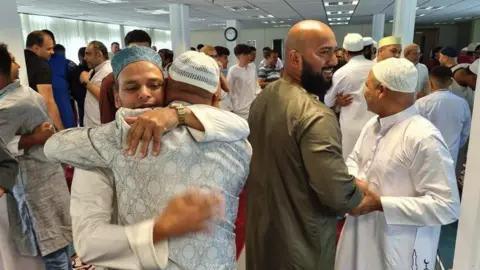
{"x":231,"y":34}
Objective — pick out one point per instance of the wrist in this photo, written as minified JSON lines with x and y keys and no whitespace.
{"x":160,"y":229}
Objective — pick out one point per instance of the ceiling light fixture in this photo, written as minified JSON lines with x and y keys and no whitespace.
{"x":459,"y":18}
{"x":340,"y":3}
{"x":197,"y":19}
{"x":421,"y":15}
{"x":391,"y":20}
{"x":431,"y":8}
{"x":270,"y":16}
{"x":103,"y":2}
{"x":152,"y":11}
{"x":265,"y":22}
{"x":355,"y":3}
{"x":217,"y":24}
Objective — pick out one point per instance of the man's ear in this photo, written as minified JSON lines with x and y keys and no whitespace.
{"x":116,"y":95}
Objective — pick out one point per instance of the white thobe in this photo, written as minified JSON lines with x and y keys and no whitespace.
{"x":243,"y":84}
{"x":422,"y":83}
{"x":350,"y":79}
{"x":92,"y":107}
{"x":98,"y":238}
{"x":450,"y":114}
{"x":404,"y":159}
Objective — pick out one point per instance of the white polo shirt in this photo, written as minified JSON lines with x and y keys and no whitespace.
{"x":92,"y":107}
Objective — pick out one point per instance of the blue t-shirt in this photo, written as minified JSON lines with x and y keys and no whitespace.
{"x":58,"y":66}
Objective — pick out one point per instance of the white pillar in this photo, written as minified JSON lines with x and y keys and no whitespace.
{"x":404,"y":20}
{"x":467,"y":247}
{"x":122,"y":37}
{"x":378,"y":26}
{"x":231,"y":44}
{"x":11,"y":35}
{"x":180,"y":28}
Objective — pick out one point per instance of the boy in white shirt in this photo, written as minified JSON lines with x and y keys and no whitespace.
{"x":243,"y":82}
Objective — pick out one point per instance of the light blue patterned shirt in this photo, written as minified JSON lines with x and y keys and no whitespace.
{"x":144,"y":186}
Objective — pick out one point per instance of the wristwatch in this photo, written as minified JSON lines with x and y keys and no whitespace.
{"x":180,"y":111}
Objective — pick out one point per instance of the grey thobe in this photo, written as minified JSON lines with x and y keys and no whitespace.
{"x":298,"y":182}
{"x":42,"y":198}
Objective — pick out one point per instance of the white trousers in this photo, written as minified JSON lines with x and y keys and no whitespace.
{"x":10,"y":259}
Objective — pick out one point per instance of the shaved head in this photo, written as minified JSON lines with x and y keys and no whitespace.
{"x":310,"y":50}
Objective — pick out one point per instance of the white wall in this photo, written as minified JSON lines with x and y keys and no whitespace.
{"x":265,"y":36}
{"x":476,"y":31}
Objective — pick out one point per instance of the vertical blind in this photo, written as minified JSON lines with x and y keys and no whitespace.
{"x":74,"y":34}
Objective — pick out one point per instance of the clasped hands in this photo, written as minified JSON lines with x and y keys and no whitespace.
{"x":371,"y":201}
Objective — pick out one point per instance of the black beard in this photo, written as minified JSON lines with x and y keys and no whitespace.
{"x":368,"y":55}
{"x":313,"y":82}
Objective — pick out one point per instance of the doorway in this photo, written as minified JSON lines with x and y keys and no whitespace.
{"x":427,"y":39}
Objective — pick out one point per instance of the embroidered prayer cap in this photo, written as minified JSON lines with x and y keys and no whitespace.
{"x":398,"y":74}
{"x":474,"y":67}
{"x":196,"y":69}
{"x":449,"y":51}
{"x":367,"y":41}
{"x":133,"y":54}
{"x":391,"y":40}
{"x":353,"y":42}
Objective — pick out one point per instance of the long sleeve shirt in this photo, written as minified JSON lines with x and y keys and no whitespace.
{"x":95,"y":193}
{"x":450,"y":114}
{"x":404,"y":159}
{"x":350,"y":80}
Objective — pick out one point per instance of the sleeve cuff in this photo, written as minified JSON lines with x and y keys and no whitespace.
{"x":393,"y":215}
{"x":13,"y":146}
{"x":150,"y":256}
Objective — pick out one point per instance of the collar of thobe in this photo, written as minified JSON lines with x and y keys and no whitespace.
{"x":357,"y":58}
{"x":14,"y":85}
{"x":388,"y":122}
{"x":99,"y":67}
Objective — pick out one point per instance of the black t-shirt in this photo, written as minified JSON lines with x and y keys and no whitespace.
{"x":38,"y":70}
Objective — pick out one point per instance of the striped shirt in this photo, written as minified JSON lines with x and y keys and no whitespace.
{"x":268,"y":73}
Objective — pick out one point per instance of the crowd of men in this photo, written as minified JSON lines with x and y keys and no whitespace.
{"x":181,"y":162}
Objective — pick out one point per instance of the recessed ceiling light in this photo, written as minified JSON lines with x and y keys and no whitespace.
{"x":152,"y":11}
{"x":340,"y":3}
{"x":258,"y":17}
{"x":354,"y":2}
{"x":350,"y":12}
{"x":217,"y":24}
{"x":459,"y":18}
{"x":281,"y":22}
{"x":420,"y":15}
{"x":265,"y":22}
{"x":103,"y":2}
{"x":431,"y":8}
{"x":273,"y":22}
{"x":197,"y":19}
{"x":270,"y":16}
{"x":391,"y":20}
{"x":428,"y":8}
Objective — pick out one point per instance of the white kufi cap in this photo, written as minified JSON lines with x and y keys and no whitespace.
{"x":367,"y":41}
{"x":353,"y":43}
{"x":397,"y":74}
{"x":196,"y":69}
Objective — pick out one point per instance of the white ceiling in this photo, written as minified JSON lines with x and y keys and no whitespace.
{"x":211,"y":14}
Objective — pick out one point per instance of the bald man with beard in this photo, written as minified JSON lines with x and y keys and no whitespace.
{"x":298,"y":182}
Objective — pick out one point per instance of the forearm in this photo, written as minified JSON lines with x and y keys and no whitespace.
{"x":94,"y":90}
{"x":263,"y":84}
{"x":192,"y":121}
{"x":420,"y":211}
{"x":224,"y":83}
{"x":98,"y":240}
{"x":28,"y":141}
{"x":55,"y":114}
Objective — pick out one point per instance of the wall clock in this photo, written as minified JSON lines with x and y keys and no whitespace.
{"x":231,"y":34}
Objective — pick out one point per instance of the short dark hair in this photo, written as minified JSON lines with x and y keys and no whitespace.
{"x":168,"y":54}
{"x":200,"y":46}
{"x":59,"y":48}
{"x":266,"y":49}
{"x":253,"y":49}
{"x":267,"y":54}
{"x":115,"y":43}
{"x":221,"y":51}
{"x":35,"y":38}
{"x":5,"y":61}
{"x":441,"y":74}
{"x":242,"y":49}
{"x":81,"y":51}
{"x":99,"y":46}
{"x":137,"y":36}
{"x":50,"y":33}
{"x":193,"y":49}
